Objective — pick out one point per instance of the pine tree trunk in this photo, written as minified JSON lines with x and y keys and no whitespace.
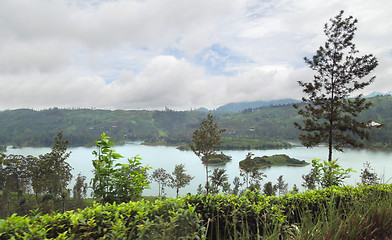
{"x":207,"y":186}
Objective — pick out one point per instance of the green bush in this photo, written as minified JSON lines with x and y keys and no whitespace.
{"x":116,"y":182}
{"x":167,"y":219}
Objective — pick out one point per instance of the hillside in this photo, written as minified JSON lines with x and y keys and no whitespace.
{"x":26,"y":127}
{"x":240,"y":106}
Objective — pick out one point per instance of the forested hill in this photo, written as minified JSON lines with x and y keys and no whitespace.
{"x":240,"y":106}
{"x":25,"y":127}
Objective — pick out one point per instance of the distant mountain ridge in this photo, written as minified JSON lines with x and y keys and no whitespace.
{"x":240,"y":106}
{"x":374,"y":94}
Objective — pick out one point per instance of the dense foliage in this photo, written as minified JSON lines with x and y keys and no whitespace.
{"x":294,"y":216}
{"x":48,"y":175}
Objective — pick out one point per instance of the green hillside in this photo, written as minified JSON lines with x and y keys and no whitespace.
{"x":255,"y":128}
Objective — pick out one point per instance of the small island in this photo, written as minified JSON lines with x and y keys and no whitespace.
{"x":216,"y":159}
{"x":268,"y":161}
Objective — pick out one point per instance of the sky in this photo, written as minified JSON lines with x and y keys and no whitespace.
{"x":180,"y":54}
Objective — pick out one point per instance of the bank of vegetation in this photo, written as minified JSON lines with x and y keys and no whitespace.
{"x":361,"y":212}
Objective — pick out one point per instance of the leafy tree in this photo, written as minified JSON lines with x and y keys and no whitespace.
{"x":37,"y":177}
{"x":2,"y":172}
{"x":281,"y":186}
{"x":244,"y":172}
{"x":269,"y":189}
{"x":116,"y":182}
{"x":80,"y":190}
{"x":245,"y":177}
{"x":255,"y":178}
{"x":219,"y":181}
{"x":159,"y":175}
{"x":200,"y":190}
{"x":14,"y":178}
{"x":295,"y":189}
{"x":236,"y":186}
{"x":64,"y":195}
{"x":310,"y":180}
{"x":15,"y":174}
{"x":330,"y":116}
{"x":51,"y":173}
{"x":325,"y":174}
{"x":206,"y":140}
{"x":251,"y":177}
{"x":179,"y":178}
{"x":368,"y":175}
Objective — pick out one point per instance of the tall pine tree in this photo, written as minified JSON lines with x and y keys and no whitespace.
{"x":330,"y":115}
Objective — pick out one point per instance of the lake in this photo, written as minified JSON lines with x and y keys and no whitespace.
{"x":167,"y":157}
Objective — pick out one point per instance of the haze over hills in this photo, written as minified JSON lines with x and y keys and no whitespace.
{"x":240,"y":106}
{"x":375,"y":94}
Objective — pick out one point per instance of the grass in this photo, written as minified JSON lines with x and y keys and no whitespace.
{"x":366,"y":220}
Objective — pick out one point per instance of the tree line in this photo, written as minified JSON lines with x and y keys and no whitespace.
{"x":46,"y":176}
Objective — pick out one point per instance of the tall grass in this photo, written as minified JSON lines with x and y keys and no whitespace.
{"x":367,"y":219}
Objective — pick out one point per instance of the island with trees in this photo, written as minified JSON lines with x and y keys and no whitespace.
{"x":216,"y":159}
{"x":268,"y":161}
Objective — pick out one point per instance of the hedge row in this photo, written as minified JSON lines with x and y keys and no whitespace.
{"x":188,"y":217}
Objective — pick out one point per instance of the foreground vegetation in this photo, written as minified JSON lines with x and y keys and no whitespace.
{"x":362,"y":212}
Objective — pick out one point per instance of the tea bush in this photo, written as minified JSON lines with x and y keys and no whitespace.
{"x":251,"y":216}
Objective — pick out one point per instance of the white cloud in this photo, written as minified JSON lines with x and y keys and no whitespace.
{"x":144,"y":54}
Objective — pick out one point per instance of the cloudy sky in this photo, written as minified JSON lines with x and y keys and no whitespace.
{"x":183,"y":54}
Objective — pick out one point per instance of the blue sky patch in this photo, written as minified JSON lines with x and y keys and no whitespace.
{"x":220,"y":60}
